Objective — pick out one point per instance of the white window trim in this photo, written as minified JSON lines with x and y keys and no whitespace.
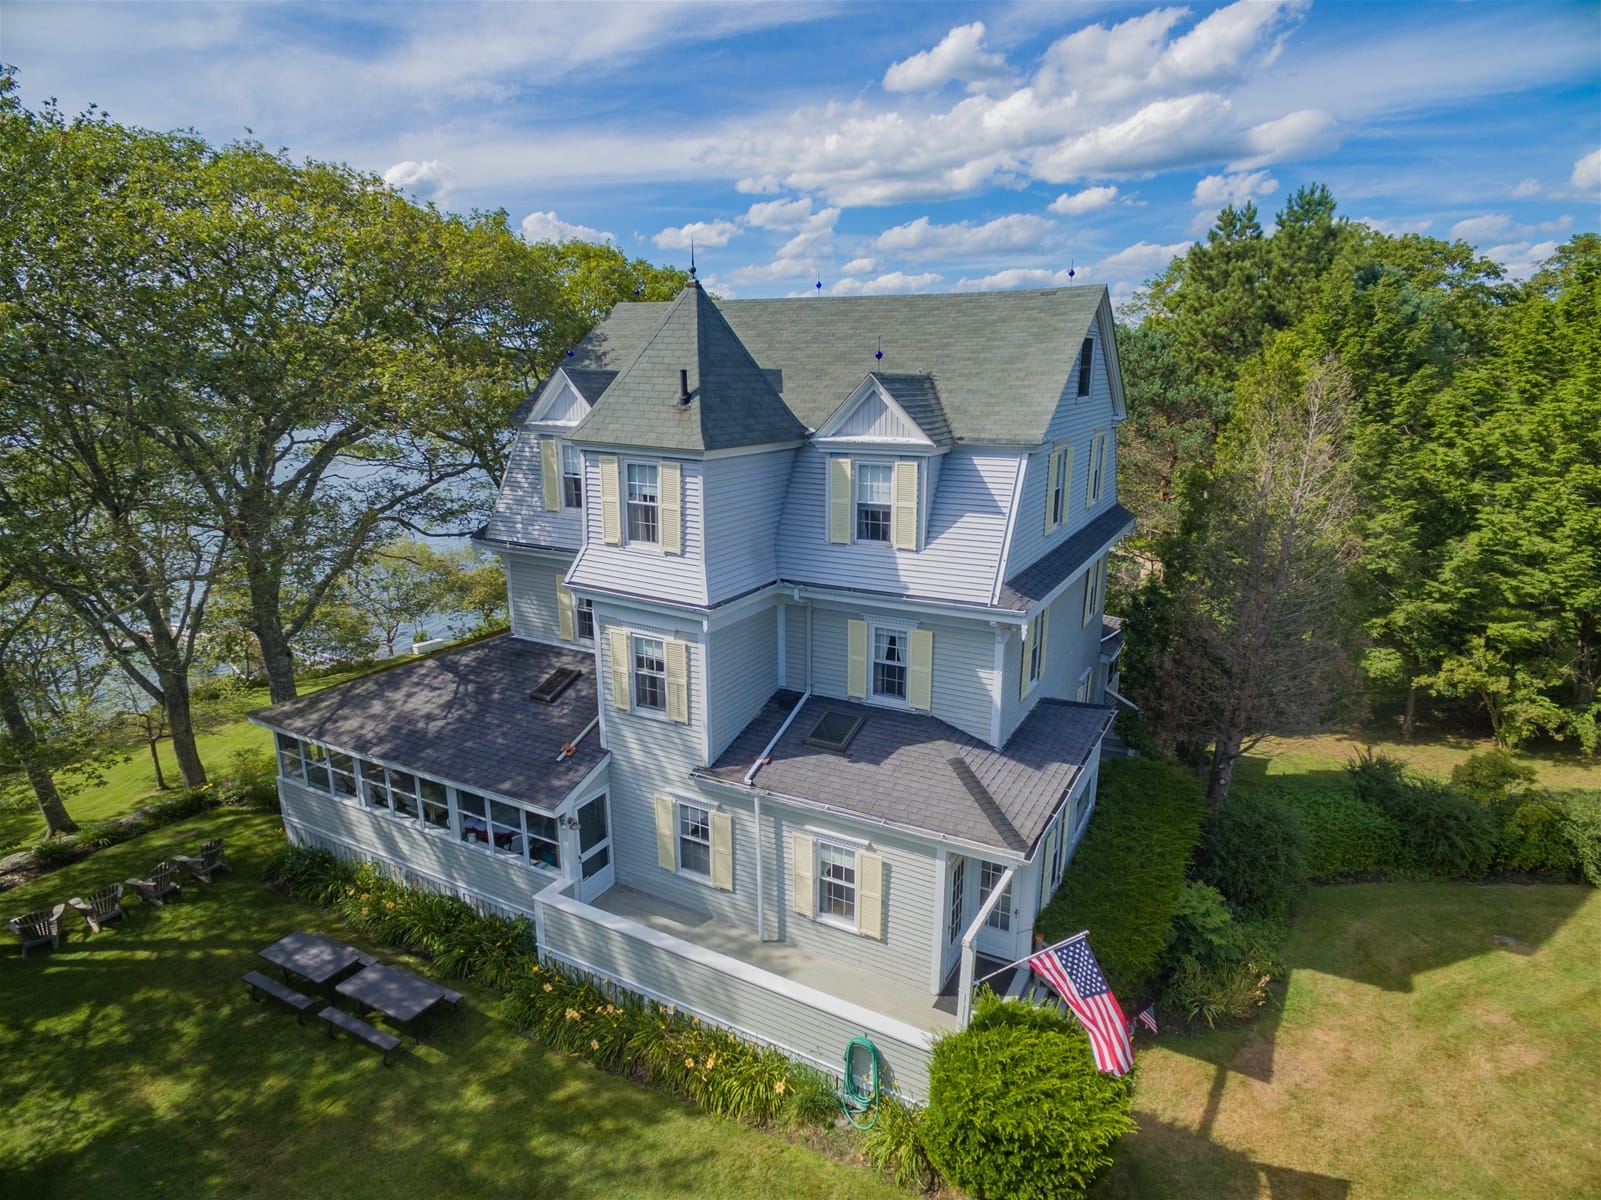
{"x":848,"y":924}
{"x":1003,"y":906}
{"x":562,"y":447}
{"x":634,"y":706}
{"x":1095,"y":485}
{"x":706,"y":811}
{"x":1032,"y":665}
{"x":1059,"y":467}
{"x":624,"y":503}
{"x":594,"y":626}
{"x":857,"y":463}
{"x":888,"y":700}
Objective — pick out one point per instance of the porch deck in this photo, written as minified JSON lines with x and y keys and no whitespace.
{"x":919,"y":1009}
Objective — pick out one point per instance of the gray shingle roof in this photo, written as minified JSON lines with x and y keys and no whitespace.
{"x":1035,"y":581}
{"x":819,"y":348}
{"x":919,"y":396}
{"x":464,"y":716}
{"x":732,"y":401}
{"x":918,"y":772}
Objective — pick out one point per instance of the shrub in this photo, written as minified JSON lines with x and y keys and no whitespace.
{"x":56,"y":852}
{"x":1135,"y":732}
{"x":894,"y":1145}
{"x":1534,"y":835}
{"x":251,"y":780}
{"x":1217,"y":967}
{"x":1443,"y":834}
{"x":1491,"y":776}
{"x":1253,"y":850}
{"x":1346,"y":836}
{"x":312,"y":875}
{"x":1124,"y":881}
{"x":1016,"y":1107}
{"x":809,"y":1098}
{"x":1581,"y":823}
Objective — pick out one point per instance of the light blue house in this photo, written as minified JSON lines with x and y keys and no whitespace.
{"x":800,"y":714}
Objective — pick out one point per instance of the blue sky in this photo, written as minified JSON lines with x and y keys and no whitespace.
{"x":883,"y":147}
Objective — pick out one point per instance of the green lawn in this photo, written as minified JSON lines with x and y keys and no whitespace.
{"x":1416,"y":1055}
{"x":135,"y":1064}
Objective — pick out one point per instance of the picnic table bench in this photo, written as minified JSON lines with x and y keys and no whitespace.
{"x":261,"y":985}
{"x":356,"y":1027}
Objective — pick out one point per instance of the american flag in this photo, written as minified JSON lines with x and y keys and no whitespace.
{"x":1071,"y":969}
{"x":1146,"y":1018}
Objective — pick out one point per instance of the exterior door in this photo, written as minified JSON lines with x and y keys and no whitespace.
{"x":595,"y":873}
{"x":997,"y":937}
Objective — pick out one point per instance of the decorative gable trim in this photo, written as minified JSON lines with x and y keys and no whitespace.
{"x":870,"y":416}
{"x":560,"y":404}
{"x":1105,"y":326}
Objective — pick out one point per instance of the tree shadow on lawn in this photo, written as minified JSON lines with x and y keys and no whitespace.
{"x":1170,"y":1160}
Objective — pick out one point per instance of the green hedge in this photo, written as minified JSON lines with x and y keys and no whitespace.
{"x":1124,"y":882}
{"x":1253,"y":849}
{"x":1443,"y":833}
{"x":1016,"y":1107}
{"x":1347,"y":837}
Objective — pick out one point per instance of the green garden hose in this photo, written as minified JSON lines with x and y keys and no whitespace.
{"x":861,"y":1106}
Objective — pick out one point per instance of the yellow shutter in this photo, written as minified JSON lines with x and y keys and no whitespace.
{"x":1050,"y":489}
{"x":670,"y":493}
{"x":1022,"y":663}
{"x":677,"y":681}
{"x":611,"y":511}
{"x":1044,"y":636}
{"x":869,"y":895}
{"x":839,"y":500}
{"x":856,"y":660}
{"x":550,"y":473}
{"x":801,"y":855}
{"x":564,"y":613}
{"x":1046,"y":858}
{"x":903,"y":511}
{"x":723,"y":851}
{"x":920,"y":670}
{"x":621,"y":673}
{"x":666,"y":834}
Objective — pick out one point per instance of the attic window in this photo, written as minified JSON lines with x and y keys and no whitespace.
{"x":557,"y":682}
{"x":1086,"y":366}
{"x":834,"y":731}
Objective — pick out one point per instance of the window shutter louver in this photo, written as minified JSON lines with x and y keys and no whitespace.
{"x":677,"y":681}
{"x":1050,"y":490}
{"x":550,"y":473}
{"x":1045,"y":645}
{"x":903,"y":525}
{"x":869,"y":895}
{"x":666,"y":834}
{"x":920,"y":670}
{"x":611,"y":512}
{"x":621,"y":668}
{"x":856,"y":660}
{"x":801,"y":855}
{"x":839,"y":500}
{"x":722,"y":851}
{"x":564,"y":613}
{"x":670,"y":479}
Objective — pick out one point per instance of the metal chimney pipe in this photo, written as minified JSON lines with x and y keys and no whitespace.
{"x":683,"y":386}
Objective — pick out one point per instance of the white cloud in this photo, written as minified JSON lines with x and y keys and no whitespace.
{"x":758,"y":185}
{"x":894,"y":282}
{"x":1525,"y":190}
{"x":1521,"y":259}
{"x":1142,"y":259}
{"x":548,"y":227}
{"x":1491,"y":226}
{"x":697,"y":233}
{"x":1071,"y":204}
{"x":1016,"y":277}
{"x":430,"y":179}
{"x":780,"y":214}
{"x":1396,"y":228}
{"x":1215,"y":191}
{"x":1308,"y":133}
{"x":923,"y":239}
{"x":960,"y":55}
{"x":1586,"y":177}
{"x":859,"y":266}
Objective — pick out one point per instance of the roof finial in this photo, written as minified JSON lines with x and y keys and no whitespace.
{"x":692,"y":256}
{"x":1070,"y":272}
{"x":879,"y":353}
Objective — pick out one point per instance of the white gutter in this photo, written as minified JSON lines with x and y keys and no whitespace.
{"x":1124,"y":700}
{"x":570,"y":748}
{"x":761,"y":912}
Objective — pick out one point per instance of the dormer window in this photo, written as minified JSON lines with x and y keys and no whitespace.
{"x":572,"y":476}
{"x":1086,"y":366}
{"x":642,"y":499}
{"x":874,"y":483}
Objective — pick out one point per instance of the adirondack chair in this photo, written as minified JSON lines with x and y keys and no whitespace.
{"x":210,"y":860}
{"x":102,"y":906}
{"x":37,"y":928}
{"x":163,"y":882}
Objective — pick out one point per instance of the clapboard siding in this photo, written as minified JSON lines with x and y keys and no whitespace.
{"x":795,"y":648}
{"x":1075,"y":422}
{"x":1070,"y":645}
{"x":964,"y":664}
{"x":435,"y":859}
{"x":644,"y":570}
{"x":744,"y":497}
{"x":965,"y":532}
{"x":520,"y":514}
{"x":531,"y":582}
{"x":744,"y":671}
{"x":754,"y":1003}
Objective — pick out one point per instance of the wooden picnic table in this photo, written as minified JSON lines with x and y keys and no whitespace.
{"x":314,"y":957}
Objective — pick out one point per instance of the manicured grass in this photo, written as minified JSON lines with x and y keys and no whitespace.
{"x":1326,"y":755}
{"x":133,"y":1063}
{"x":1415,"y":1055}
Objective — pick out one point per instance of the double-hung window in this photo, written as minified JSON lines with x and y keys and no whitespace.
{"x":1086,"y":366}
{"x":836,"y":882}
{"x":572,"y":476}
{"x":644,"y":498}
{"x":989,"y":874}
{"x":874,"y":493}
{"x":694,"y":840}
{"x":954,"y":915}
{"x":1097,"y":469}
{"x":584,"y":611}
{"x":650,"y":674}
{"x":889,"y":662}
{"x":1034,"y":651}
{"x":1061,"y":478}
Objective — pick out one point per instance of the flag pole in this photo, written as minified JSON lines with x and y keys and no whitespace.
{"x":1042,"y":950}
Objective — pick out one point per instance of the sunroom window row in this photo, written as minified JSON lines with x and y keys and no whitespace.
{"x":493,"y":825}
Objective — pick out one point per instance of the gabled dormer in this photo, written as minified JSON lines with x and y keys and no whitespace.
{"x":882,"y":446}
